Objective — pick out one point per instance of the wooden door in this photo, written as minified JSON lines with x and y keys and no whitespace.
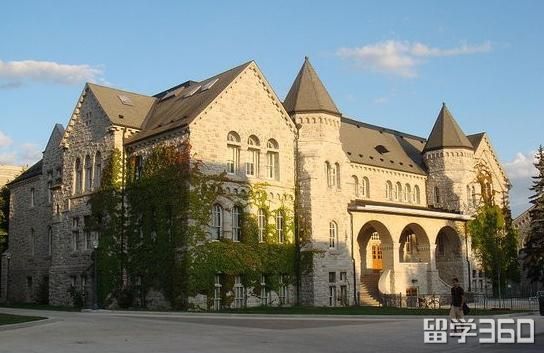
{"x":377,"y":257}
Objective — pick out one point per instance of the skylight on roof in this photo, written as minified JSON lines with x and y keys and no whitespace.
{"x":209,"y":85}
{"x":381,"y":149}
{"x":191,"y":91}
{"x":125,"y":100}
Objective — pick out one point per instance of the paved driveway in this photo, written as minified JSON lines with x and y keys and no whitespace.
{"x":215,"y":333}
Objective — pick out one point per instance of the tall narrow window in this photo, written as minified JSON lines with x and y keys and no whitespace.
{"x":389,"y":190}
{"x":416,"y":195}
{"x":97,"y":169}
{"x":32,"y":197}
{"x":264,"y":291}
{"x":398,"y":191}
{"x":474,"y":200}
{"x":261,"y":221}
{"x":239,"y":293}
{"x":138,"y":167}
{"x":217,"y":222}
{"x":252,"y":164}
{"x":436,"y":195}
{"x":75,"y":234}
{"x":280,"y":226}
{"x":337,"y":170}
{"x":88,"y":173}
{"x":273,"y":160}
{"x":355,"y":186}
{"x":236,"y":223}
{"x":365,"y":187}
{"x":284,"y":289}
{"x":78,"y":176}
{"x":49,"y":186}
{"x":407,"y":193}
{"x":331,"y":174}
{"x":233,"y":153}
{"x":217,"y":293}
{"x":333,"y":235}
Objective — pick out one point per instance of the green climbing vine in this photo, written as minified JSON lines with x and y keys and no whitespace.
{"x":153,"y":220}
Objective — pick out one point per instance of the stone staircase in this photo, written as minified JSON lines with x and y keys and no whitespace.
{"x":368,"y":290}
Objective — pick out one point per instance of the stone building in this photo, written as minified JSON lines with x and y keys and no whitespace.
{"x":382,"y":212}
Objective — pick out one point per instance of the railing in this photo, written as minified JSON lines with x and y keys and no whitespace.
{"x":474,"y":301}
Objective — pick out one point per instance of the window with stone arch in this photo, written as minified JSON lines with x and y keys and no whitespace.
{"x":398,"y":191}
{"x":88,"y":173}
{"x":253,"y":152}
{"x":273,"y":160}
{"x":217,"y":222}
{"x":280,"y":226}
{"x":78,"y":182}
{"x":436,"y":195}
{"x":416,"y":195}
{"x":407,"y":193}
{"x":97,"y":169}
{"x":261,"y":223}
{"x":332,"y":177}
{"x":233,"y":152}
{"x":333,"y":235}
{"x":365,"y":187}
{"x":389,"y":190}
{"x":236,"y":223}
{"x":337,"y":169}
{"x":356,"y":188}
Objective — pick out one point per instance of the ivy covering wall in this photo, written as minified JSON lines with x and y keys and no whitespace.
{"x":153,"y":223}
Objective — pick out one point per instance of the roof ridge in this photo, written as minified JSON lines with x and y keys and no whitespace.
{"x":377,"y":127}
{"x":118,"y":89}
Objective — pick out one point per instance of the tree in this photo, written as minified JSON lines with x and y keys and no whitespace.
{"x":494,"y":239}
{"x":4,"y":218}
{"x":533,"y":253}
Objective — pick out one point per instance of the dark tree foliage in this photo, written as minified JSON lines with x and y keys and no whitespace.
{"x":533,"y":253}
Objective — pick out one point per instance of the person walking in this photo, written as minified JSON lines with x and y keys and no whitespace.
{"x":457,"y":300}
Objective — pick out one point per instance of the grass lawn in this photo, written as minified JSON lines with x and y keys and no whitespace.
{"x":40,"y":307}
{"x":7,"y":319}
{"x":362,"y":310}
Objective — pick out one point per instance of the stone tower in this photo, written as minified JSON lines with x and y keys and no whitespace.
{"x":322,"y":175}
{"x":449,"y":157}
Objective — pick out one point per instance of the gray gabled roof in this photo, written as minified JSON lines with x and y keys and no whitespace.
{"x":33,"y":171}
{"x":308,"y":94}
{"x":130,"y":113}
{"x":180,"y":105}
{"x":381,"y":147}
{"x":476,"y":139}
{"x":446,"y":133}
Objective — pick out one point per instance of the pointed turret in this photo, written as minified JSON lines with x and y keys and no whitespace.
{"x":446,"y":133}
{"x":308,"y":94}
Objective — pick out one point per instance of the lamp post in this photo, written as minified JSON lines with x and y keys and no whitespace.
{"x":95,"y":252}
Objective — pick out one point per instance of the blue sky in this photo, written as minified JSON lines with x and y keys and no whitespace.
{"x":390,"y":63}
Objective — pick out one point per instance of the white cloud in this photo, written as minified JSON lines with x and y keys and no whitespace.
{"x":14,"y":73}
{"x":20,"y":154}
{"x":402,"y":57}
{"x":5,"y":140}
{"x":519,"y":171}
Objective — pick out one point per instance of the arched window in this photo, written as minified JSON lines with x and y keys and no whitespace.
{"x":398,"y":191}
{"x":78,"y":176}
{"x":436,"y":195}
{"x":236,"y":223}
{"x":261,"y":222}
{"x":389,"y":190}
{"x":97,"y":169}
{"x":407,"y":193}
{"x":252,"y":164}
{"x":280,"y":226}
{"x":272,"y":160}
{"x":217,"y":222}
{"x":355,"y":185}
{"x":365,"y":187}
{"x":331,"y":174}
{"x":416,"y":195}
{"x":88,"y":173}
{"x":337,"y":167}
{"x":233,"y":152}
{"x":333,"y":235}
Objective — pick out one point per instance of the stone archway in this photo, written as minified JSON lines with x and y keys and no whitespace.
{"x":448,"y":255}
{"x":414,"y":244}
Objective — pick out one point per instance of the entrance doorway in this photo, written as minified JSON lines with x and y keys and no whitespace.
{"x":377,"y":257}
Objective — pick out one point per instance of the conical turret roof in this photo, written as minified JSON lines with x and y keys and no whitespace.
{"x":308,"y":93}
{"x":446,"y":133}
